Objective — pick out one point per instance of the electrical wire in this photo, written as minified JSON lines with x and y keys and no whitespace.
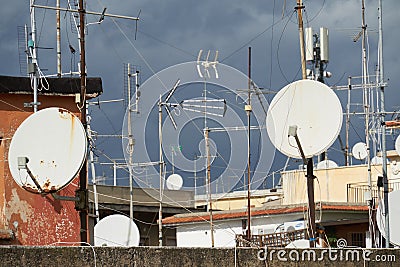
{"x":279,"y":43}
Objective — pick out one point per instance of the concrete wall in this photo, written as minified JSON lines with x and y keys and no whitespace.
{"x":168,"y":256}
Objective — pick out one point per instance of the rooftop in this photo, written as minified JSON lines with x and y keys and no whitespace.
{"x":263,"y":211}
{"x":57,"y":86}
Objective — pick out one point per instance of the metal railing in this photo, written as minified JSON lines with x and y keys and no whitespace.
{"x":356,"y":192}
{"x":281,"y":239}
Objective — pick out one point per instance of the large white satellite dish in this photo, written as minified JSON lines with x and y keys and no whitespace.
{"x":174,"y":182}
{"x":326,"y":164}
{"x":359,"y":151}
{"x":51,"y":144}
{"x":314,"y":109}
{"x":397,"y":145}
{"x":394,"y":217}
{"x":116,"y":231}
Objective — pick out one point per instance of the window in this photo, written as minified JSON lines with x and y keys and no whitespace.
{"x":357,"y":239}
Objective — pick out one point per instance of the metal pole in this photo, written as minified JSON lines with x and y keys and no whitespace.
{"x":93,"y":169}
{"x":34,"y":59}
{"x":384,"y":165}
{"x":115,"y":173}
{"x":248,"y":111}
{"x":206,"y":131}
{"x":83,"y":173}
{"x":366,"y":110}
{"x":195,"y":176}
{"x":299,"y":8}
{"x":161,"y":172}
{"x":310,"y":176}
{"x":130,"y":149}
{"x":347,"y":158}
{"x":58,"y":40}
{"x":311,"y":203}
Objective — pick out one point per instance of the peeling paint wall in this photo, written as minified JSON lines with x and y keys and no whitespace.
{"x":34,"y":219}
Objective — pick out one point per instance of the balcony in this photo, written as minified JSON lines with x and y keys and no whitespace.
{"x":356,"y":191}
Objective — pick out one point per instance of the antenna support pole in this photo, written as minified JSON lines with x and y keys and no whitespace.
{"x":83,"y":206}
{"x":161,"y":173}
{"x":310,"y":187}
{"x":384,"y":156}
{"x":210,"y":209}
{"x":248,"y":111}
{"x":299,"y":9}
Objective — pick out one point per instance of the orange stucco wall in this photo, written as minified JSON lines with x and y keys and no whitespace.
{"x":34,"y":219}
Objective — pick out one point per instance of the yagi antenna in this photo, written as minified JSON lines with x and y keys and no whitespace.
{"x":207,"y":64}
{"x":167,"y":105}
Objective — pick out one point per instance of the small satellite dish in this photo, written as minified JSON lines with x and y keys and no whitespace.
{"x":116,"y":231}
{"x":47,"y":150}
{"x":394,"y":217}
{"x":314,"y":109}
{"x":359,"y":151}
{"x":377,"y":160}
{"x":174,"y":182}
{"x":326,"y":164}
{"x":397,"y":145}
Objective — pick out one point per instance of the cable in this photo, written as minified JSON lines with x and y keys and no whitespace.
{"x":251,"y":40}
{"x":279,"y":43}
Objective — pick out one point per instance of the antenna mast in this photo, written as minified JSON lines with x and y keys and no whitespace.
{"x":32,"y":64}
{"x":299,"y":9}
{"x":248,"y":111}
{"x":384,"y":164}
{"x":366,"y":108}
{"x":308,"y":162}
{"x":83,"y":192}
{"x":59,"y":72}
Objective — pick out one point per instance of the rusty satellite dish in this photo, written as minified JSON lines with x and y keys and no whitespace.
{"x":116,"y":231}
{"x":315,"y":112}
{"x":47,"y":150}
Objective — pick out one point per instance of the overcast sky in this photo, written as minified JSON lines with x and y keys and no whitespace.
{"x":172,"y":32}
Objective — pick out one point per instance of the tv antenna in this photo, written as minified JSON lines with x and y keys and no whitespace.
{"x":206,"y":64}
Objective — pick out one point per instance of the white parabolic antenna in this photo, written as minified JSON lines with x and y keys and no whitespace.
{"x":174,"y":182}
{"x":326,"y":164}
{"x":314,"y":109}
{"x":51,"y":143}
{"x":397,"y":145}
{"x":116,"y":231}
{"x":394,"y":217}
{"x":359,"y":151}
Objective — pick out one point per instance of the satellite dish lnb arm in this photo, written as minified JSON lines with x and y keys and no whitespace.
{"x":23,"y":164}
{"x":293,"y":132}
